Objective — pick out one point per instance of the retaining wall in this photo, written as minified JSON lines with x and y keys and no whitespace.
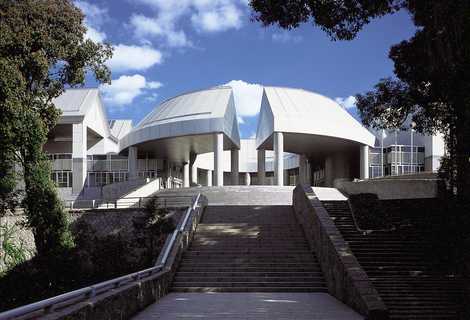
{"x":346,"y":279}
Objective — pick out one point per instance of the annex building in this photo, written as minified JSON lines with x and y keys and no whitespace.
{"x":193,"y":139}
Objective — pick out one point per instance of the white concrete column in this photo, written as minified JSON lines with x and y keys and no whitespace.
{"x":132,"y":163}
{"x":247,"y":179}
{"x":302,"y":169}
{"x":79,"y":156}
{"x":261,"y":167}
{"x":234,"y":166}
{"x":209,"y":178}
{"x":186,"y":174}
{"x":193,"y":174}
{"x":364,"y":170}
{"x":192,"y":167}
{"x":308,"y":172}
{"x":219,"y":159}
{"x":278,"y":158}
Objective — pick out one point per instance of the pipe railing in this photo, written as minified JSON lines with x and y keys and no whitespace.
{"x":128,"y":202}
{"x":69,"y":298}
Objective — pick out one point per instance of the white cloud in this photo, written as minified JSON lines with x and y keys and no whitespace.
{"x":247,"y":98}
{"x":145,"y":26}
{"x":125,"y":89}
{"x":240,"y":120}
{"x":127,"y":58}
{"x":347,"y":103}
{"x":205,"y":16}
{"x":92,"y":12}
{"x":215,"y":19}
{"x":286,"y":36}
{"x":94,"y":35}
{"x":94,"y":18}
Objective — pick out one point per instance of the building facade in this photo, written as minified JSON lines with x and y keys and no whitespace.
{"x":193,"y":139}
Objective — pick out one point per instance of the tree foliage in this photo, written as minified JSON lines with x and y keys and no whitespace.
{"x":42,"y":51}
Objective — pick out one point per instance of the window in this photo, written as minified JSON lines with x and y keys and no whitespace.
{"x":62,"y":179}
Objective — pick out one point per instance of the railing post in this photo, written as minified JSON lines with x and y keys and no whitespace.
{"x":140,"y":202}
{"x":115,"y":204}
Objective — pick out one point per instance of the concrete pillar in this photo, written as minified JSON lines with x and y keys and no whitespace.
{"x":247,"y":179}
{"x":234,"y":165}
{"x":219,"y":159}
{"x":364,"y":170}
{"x":209,"y":178}
{"x":261,"y":166}
{"x":193,"y":174}
{"x":79,"y":156}
{"x":186,"y":174}
{"x":302,"y":169}
{"x":278,"y":158}
{"x":193,"y":168}
{"x":132,"y":163}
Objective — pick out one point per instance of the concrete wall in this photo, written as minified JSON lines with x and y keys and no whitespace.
{"x":117,"y":190}
{"x":392,"y":188}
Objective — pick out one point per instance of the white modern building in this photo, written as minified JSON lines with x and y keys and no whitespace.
{"x":193,"y":139}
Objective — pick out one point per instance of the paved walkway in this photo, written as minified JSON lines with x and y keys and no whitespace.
{"x":248,"y":306}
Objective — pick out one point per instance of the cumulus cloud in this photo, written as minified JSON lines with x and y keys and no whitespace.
{"x":160,"y":27}
{"x":214,"y":19}
{"x":347,"y":103}
{"x":286,"y":36}
{"x":126,"y":58}
{"x":247,"y":98}
{"x":125,"y":89}
{"x":95,"y":16}
{"x":95,"y":35}
{"x":205,"y":16}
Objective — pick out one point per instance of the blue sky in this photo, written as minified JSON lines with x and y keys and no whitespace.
{"x":166,"y":47}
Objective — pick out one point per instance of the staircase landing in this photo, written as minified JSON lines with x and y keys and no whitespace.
{"x":248,"y":306}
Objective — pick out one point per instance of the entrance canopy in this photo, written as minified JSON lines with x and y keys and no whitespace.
{"x":186,"y":124}
{"x":312,"y":124}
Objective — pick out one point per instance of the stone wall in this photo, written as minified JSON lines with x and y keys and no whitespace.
{"x":346,"y":279}
{"x":21,"y":237}
{"x":104,"y":222}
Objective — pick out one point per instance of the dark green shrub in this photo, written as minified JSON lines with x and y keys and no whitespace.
{"x":369,"y":212}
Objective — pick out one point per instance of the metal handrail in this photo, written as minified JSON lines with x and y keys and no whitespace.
{"x":49,"y":305}
{"x":110,"y":204}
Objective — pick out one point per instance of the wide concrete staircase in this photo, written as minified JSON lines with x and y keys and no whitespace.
{"x":249,"y":249}
{"x":398,"y":264}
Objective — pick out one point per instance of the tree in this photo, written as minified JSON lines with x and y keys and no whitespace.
{"x":43,"y":50}
{"x":432,"y":69}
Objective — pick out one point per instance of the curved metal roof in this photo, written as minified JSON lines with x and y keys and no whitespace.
{"x":304,"y":112}
{"x":194,"y":113}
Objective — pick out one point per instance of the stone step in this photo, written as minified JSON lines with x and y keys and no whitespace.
{"x":261,"y":284}
{"x":253,"y":274}
{"x":248,"y":254}
{"x":397,"y":266}
{"x":245,"y":268}
{"x":224,"y":278}
{"x":249,"y":289}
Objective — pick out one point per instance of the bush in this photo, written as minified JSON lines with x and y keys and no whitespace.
{"x":369,"y":212}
